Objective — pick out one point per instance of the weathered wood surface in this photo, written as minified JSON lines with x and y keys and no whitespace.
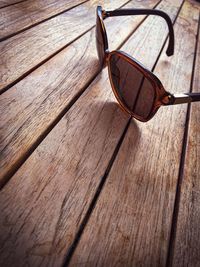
{"x":187,"y":234}
{"x":16,"y":18}
{"x":131,"y":223}
{"x":45,"y":39}
{"x":63,"y":173}
{"x":48,"y":201}
{"x":35,"y":110}
{"x":5,"y":3}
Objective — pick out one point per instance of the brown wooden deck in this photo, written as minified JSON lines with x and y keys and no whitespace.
{"x":81,"y":184}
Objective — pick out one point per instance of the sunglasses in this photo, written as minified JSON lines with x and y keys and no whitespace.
{"x":139,"y":92}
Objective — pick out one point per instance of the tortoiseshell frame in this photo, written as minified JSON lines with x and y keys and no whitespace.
{"x":160,"y":94}
{"x":162,"y":97}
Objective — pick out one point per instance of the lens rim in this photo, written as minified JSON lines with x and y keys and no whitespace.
{"x":103,"y":32}
{"x":160,"y":92}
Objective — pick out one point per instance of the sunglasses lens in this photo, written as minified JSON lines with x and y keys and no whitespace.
{"x":99,"y":41}
{"x":134,"y":90}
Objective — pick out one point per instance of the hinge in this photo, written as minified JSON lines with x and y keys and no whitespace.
{"x":105,"y":14}
{"x":167,"y":100}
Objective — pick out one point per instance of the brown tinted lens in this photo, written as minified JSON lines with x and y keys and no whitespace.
{"x":99,"y":41}
{"x":135,"y":91}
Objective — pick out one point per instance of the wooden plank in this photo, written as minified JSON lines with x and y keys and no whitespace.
{"x":131,"y":223}
{"x":45,"y":39}
{"x":187,"y":236}
{"x":5,"y":3}
{"x":45,"y":202}
{"x":16,"y":18}
{"x":44,"y":94}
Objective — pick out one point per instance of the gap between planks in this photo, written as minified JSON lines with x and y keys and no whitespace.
{"x":54,"y":42}
{"x":73,"y":97}
{"x":32,"y":21}
{"x":182,"y":161}
{"x":88,"y":260}
{"x":72,"y":121}
{"x":77,"y":238}
{"x":14,"y":3}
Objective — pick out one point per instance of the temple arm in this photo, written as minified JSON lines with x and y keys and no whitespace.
{"x":126,"y":12}
{"x":182,"y":98}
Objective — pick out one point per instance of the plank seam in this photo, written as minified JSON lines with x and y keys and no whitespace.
{"x":94,"y":200}
{"x":3,"y":90}
{"x":129,"y":36}
{"x":12,"y":171}
{"x":40,"y":22}
{"x":153,"y":68}
{"x":77,"y":238}
{"x":12,"y":4}
{"x":26,"y":155}
{"x":171,"y":244}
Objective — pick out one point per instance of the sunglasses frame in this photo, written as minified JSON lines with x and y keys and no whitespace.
{"x":162,"y":97}
{"x":160,"y":93}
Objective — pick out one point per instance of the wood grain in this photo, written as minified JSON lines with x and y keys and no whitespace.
{"x":187,"y":237}
{"x":34,"y":104}
{"x":21,"y":16}
{"x":22,"y":53}
{"x":45,"y":202}
{"x":5,"y":3}
{"x":131,"y":223}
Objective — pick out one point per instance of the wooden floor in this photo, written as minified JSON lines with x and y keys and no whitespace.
{"x":81,"y":183}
